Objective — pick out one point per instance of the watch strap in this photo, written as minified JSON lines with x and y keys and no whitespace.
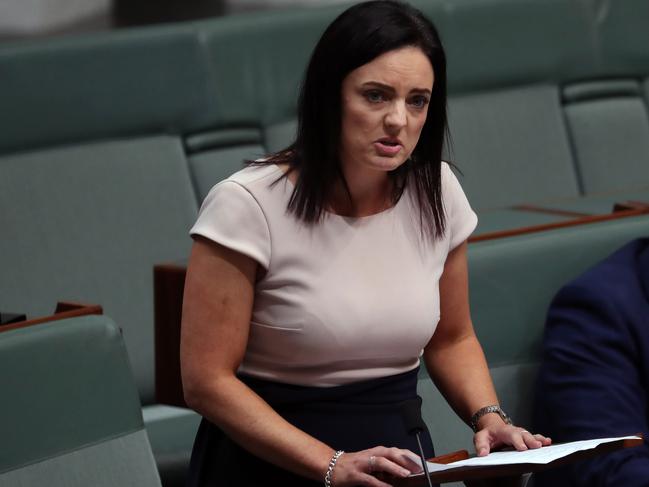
{"x":494,"y":408}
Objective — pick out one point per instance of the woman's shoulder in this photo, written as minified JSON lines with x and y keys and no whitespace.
{"x":261,"y":185}
{"x":447,"y":170}
{"x":255,"y":175}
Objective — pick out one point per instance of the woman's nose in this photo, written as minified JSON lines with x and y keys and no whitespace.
{"x":396,"y":116}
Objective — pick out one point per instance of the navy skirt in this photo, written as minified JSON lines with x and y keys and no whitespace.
{"x":351,"y":417}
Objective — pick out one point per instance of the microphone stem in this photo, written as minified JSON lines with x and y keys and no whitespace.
{"x":424,"y":464}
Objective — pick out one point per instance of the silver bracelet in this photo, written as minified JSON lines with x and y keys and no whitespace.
{"x":330,"y":469}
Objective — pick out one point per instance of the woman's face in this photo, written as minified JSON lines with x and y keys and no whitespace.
{"x":384,"y":107}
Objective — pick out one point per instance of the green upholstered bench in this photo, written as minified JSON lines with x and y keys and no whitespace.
{"x":70,"y":408}
{"x":95,"y":186}
{"x":512,"y":282}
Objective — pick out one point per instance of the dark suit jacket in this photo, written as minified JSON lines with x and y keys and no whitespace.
{"x":594,"y":379}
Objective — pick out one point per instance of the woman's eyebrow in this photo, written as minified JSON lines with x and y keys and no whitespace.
{"x":376,"y":84}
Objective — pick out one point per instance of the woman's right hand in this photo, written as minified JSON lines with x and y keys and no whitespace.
{"x":363,"y":467}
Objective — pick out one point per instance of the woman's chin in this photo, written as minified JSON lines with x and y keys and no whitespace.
{"x":386,"y":164}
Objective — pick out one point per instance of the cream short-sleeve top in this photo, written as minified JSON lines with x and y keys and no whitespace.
{"x":344,"y":300}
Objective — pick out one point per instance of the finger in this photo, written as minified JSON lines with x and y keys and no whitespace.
{"x":481,"y":442}
{"x":412,"y":462}
{"x":530,"y":440}
{"x":545,"y":440}
{"x":404,"y":458}
{"x":518,"y":442}
{"x":382,"y":464}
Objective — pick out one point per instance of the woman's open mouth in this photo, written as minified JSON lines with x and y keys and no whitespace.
{"x":386,"y":147}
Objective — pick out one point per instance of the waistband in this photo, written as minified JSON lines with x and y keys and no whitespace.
{"x":376,"y":394}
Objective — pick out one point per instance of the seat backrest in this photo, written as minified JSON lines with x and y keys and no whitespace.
{"x":609,"y":126}
{"x":70,"y":408}
{"x":608,"y":114}
{"x":115,"y":84}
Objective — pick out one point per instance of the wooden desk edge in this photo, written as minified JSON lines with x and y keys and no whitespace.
{"x":563,"y":224}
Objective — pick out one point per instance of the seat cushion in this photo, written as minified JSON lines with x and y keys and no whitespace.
{"x":125,"y":461}
{"x":171,"y":431}
{"x":609,"y":127}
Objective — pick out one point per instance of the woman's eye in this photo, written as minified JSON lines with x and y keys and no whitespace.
{"x":374,"y":96}
{"x":419,"y":101}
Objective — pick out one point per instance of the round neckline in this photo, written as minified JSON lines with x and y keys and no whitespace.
{"x":345,"y":217}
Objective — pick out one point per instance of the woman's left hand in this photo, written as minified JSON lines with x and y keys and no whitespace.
{"x":495,"y":433}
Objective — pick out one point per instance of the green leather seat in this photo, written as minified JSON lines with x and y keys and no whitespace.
{"x":70,"y":408}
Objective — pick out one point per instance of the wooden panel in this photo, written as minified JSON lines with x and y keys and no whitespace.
{"x":168,"y":287}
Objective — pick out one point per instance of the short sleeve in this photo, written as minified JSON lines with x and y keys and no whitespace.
{"x":232,"y":217}
{"x":461,"y":220}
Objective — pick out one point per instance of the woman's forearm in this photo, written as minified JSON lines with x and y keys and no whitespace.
{"x":454,"y":357}
{"x":460,"y":372}
{"x":248,"y":420}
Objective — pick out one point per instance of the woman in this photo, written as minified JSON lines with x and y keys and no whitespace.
{"x":319,"y":275}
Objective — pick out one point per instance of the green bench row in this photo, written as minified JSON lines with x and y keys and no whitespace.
{"x":110,"y":141}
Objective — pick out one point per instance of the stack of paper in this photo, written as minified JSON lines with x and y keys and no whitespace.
{"x":540,"y":456}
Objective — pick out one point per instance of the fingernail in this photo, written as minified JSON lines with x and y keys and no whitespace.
{"x":405,"y":473}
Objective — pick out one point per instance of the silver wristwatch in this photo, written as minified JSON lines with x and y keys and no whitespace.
{"x":486,"y":410}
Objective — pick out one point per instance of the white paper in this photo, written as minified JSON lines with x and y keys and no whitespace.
{"x":543,"y":455}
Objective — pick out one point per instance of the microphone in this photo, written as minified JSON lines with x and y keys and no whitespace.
{"x":411,"y":414}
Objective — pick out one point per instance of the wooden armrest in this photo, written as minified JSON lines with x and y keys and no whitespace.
{"x":631,"y":205}
{"x":551,"y":211}
{"x":64,"y":310}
